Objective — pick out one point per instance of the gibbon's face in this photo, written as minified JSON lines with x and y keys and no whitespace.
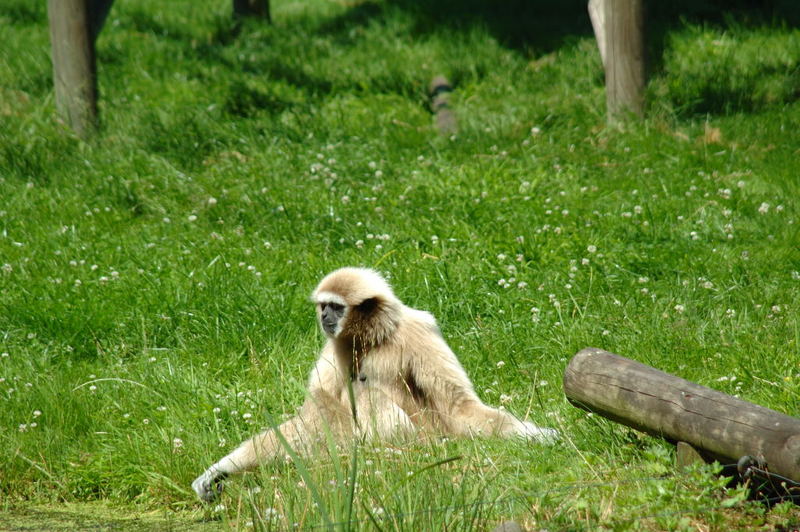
{"x":331,"y":317}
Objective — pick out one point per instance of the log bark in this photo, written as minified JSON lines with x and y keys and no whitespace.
{"x":664,"y":405}
{"x":74,"y":73}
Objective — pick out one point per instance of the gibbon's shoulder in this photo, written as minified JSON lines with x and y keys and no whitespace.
{"x":423,"y":317}
{"x":420,"y":322}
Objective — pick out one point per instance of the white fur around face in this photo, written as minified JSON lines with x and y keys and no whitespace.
{"x":329,"y":297}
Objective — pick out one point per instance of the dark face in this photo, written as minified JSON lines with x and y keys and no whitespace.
{"x":330,"y":314}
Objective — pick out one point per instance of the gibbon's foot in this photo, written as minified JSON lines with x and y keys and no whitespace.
{"x":209,"y":485}
{"x":538,"y":434}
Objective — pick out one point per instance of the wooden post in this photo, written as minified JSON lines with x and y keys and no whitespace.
{"x":74,"y":74}
{"x":717,"y":424}
{"x":445,"y":119}
{"x":251,"y":8}
{"x":597,"y":15}
{"x":619,"y":29}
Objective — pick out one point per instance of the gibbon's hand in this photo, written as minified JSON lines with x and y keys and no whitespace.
{"x":209,"y":485}
{"x":538,"y":434}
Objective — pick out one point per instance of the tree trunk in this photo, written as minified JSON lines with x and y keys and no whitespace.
{"x":74,"y":73}
{"x":621,"y":43}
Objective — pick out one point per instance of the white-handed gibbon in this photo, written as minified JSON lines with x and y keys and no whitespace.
{"x":385,"y":373}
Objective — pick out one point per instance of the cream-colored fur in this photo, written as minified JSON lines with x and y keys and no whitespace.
{"x":385,"y":373}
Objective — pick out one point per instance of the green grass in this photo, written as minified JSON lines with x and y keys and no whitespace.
{"x":162,"y":269}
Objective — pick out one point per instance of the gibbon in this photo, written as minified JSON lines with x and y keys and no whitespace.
{"x":385,"y":372}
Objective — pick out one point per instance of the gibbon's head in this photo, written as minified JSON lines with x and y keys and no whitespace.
{"x":357,"y":304}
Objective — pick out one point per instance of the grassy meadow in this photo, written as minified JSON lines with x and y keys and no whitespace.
{"x":154,"y":280}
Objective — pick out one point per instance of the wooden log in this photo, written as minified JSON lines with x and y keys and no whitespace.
{"x":251,"y":8}
{"x":74,"y":74}
{"x":621,"y":43}
{"x":717,"y":424}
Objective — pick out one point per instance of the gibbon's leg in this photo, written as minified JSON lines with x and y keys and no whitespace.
{"x":380,"y":418}
{"x":472,"y":417}
{"x":320,"y":414}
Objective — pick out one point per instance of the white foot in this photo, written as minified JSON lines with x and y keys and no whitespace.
{"x":209,"y":485}
{"x":538,"y":434}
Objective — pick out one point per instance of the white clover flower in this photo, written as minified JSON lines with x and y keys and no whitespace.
{"x":500,"y":364}
{"x":37,"y":413}
{"x":591,"y":248}
{"x":679,"y":308}
{"x":505,"y":399}
{"x":7,"y":268}
{"x":192,"y":217}
{"x":359,"y":244}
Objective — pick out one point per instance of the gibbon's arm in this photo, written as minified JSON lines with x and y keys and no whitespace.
{"x":322,"y":411}
{"x":441,"y":378}
{"x":326,"y":376}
